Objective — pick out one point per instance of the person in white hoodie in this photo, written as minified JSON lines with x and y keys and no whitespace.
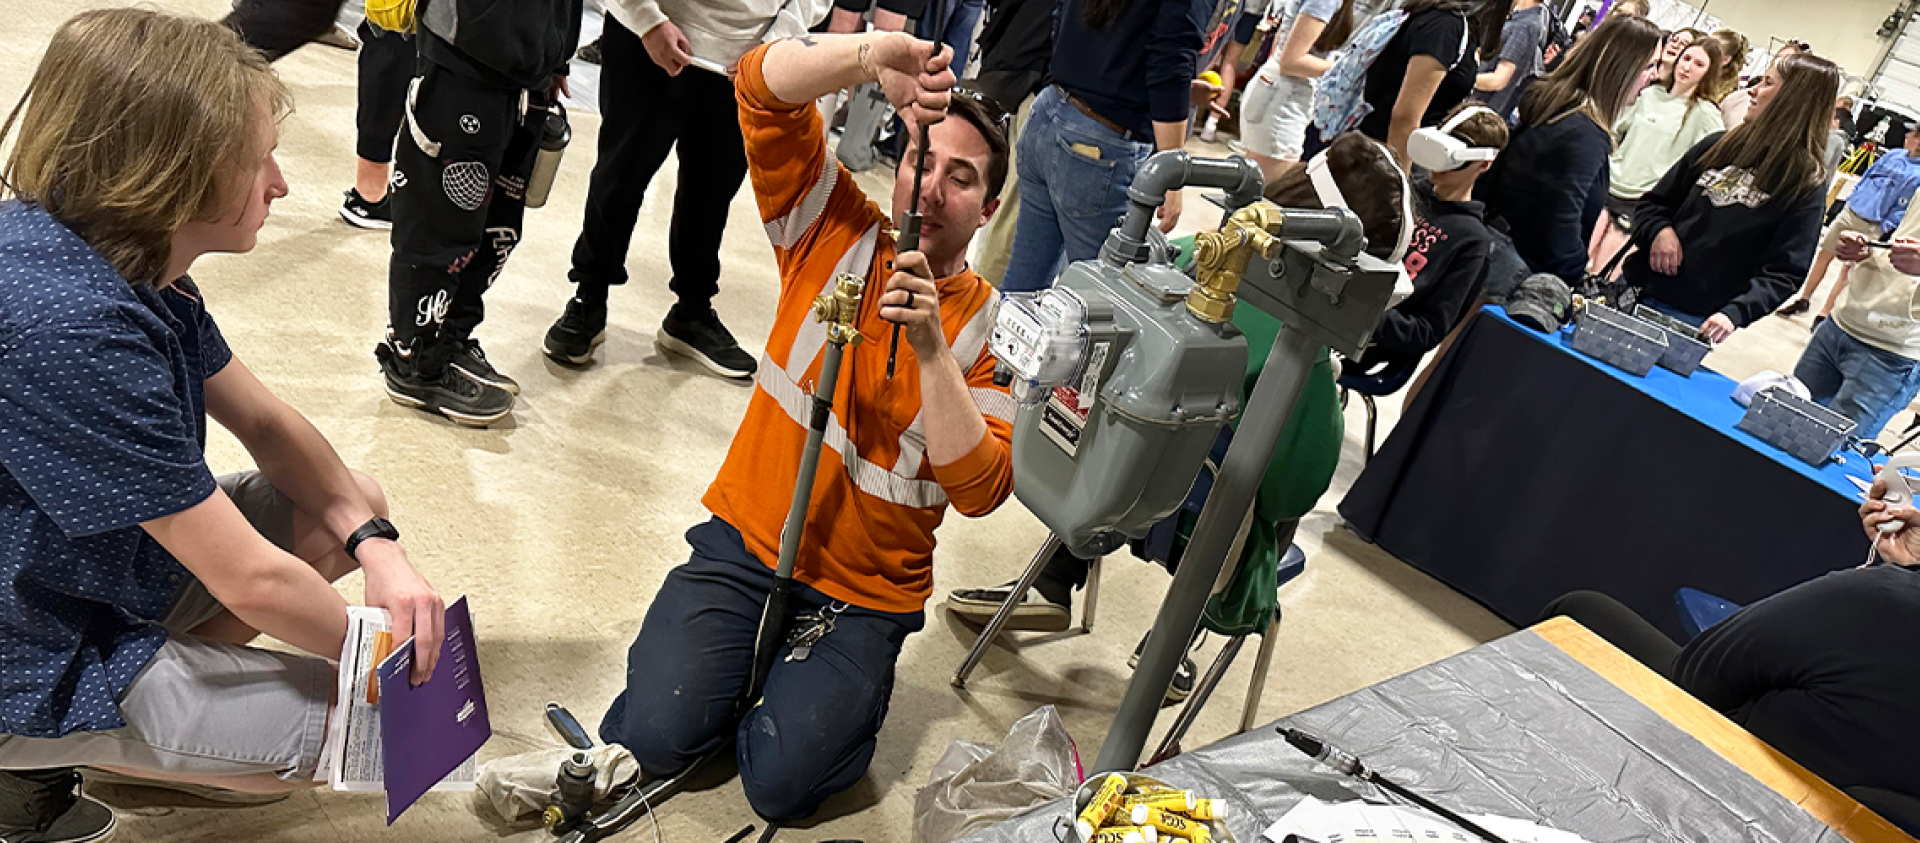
{"x":666,"y":83}
{"x":1864,"y":363}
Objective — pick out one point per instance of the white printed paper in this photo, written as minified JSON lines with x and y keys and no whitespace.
{"x":351,"y":759}
{"x":1314,"y":821}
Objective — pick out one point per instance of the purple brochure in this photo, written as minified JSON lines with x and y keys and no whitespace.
{"x":427,"y":731}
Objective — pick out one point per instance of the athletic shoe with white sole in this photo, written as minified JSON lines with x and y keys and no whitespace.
{"x":470,"y":360}
{"x":1182,"y":686}
{"x":461,"y":399}
{"x":46,"y":806}
{"x":581,"y":328}
{"x":1035,"y":613}
{"x":707,"y":342}
{"x":360,"y":213}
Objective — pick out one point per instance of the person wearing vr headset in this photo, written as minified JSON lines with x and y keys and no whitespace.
{"x":1447,"y":256}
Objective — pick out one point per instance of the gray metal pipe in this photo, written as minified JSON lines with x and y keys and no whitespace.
{"x":1172,"y":170}
{"x":1281,"y":383}
{"x":1336,"y":228}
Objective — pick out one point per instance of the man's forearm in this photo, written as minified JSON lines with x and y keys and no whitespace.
{"x":809,"y":67}
{"x":302,"y":464}
{"x":1169,"y":135}
{"x":953,"y":422}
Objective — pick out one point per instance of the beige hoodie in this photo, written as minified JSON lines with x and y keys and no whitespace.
{"x":721,"y":31}
{"x":1881,"y":306}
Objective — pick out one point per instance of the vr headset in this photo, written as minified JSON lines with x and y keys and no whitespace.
{"x":1440,"y":151}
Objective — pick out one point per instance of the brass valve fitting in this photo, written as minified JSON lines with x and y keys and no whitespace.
{"x":1220,"y":258}
{"x":839,"y":307}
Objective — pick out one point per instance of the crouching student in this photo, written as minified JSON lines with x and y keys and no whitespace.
{"x":900,"y":451}
{"x":131,"y":578}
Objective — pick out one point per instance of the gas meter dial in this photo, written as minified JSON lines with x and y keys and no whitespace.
{"x":1042,"y":339}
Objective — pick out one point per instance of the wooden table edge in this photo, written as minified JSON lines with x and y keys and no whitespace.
{"x":1814,"y":795}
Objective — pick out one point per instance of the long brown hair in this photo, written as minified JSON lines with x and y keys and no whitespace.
{"x":1597,"y":76}
{"x":1484,"y":19}
{"x":1785,"y":145}
{"x":1338,"y":29}
{"x":1667,"y":81}
{"x":136,"y":123}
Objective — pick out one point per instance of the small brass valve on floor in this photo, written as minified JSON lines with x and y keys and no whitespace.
{"x":838,"y":308}
{"x":1220,"y":258}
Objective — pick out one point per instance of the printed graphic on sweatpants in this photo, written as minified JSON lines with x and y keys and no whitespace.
{"x":503,"y":238}
{"x":432,"y":309}
{"x":466,"y":183}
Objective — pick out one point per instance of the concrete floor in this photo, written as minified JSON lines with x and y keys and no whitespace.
{"x":560,"y":526}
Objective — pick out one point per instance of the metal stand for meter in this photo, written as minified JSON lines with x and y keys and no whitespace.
{"x":1326,"y":294}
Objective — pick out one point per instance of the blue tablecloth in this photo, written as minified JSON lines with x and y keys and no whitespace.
{"x":1525,"y":470}
{"x":1707,"y":397}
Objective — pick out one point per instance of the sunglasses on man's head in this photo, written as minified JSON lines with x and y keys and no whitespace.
{"x":995,"y":112}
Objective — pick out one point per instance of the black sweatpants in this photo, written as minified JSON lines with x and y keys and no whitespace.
{"x":456,"y":215}
{"x":644,"y":114}
{"x":387,"y":62}
{"x":278,"y":27}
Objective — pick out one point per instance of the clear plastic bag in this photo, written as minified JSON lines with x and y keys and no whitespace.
{"x":975,"y":786}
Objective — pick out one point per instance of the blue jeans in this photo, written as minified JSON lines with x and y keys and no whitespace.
{"x":1857,"y":380}
{"x":813,"y":734}
{"x":1069,"y":198}
{"x":962,"y":17}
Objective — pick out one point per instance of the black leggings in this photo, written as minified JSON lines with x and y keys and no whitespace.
{"x":1620,"y":626}
{"x":278,"y":27}
{"x":387,"y":63}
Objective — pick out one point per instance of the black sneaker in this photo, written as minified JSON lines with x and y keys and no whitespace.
{"x":459,"y":398}
{"x":360,"y":213}
{"x":1182,"y":686}
{"x":706,"y":341}
{"x":589,"y":52}
{"x":470,"y":360}
{"x":45,"y":806}
{"x":1035,"y":613}
{"x":581,"y":328}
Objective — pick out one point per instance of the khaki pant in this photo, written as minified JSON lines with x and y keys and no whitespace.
{"x":996,"y":240}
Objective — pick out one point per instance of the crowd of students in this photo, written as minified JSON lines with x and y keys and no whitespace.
{"x":136,"y":578}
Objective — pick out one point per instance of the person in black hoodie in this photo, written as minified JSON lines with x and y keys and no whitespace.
{"x":1728,"y":233}
{"x":489,"y":72}
{"x":1548,"y":186}
{"x":1447,"y":256}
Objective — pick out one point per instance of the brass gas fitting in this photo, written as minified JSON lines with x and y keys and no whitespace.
{"x":839,"y":307}
{"x":1220,"y":258}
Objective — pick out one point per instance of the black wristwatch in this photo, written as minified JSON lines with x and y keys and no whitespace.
{"x":377,"y":528}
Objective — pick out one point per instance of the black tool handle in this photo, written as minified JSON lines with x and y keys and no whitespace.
{"x":569,"y":728}
{"x":1470,"y":826}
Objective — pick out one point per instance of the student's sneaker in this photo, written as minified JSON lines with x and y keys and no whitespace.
{"x":589,"y":52}
{"x":1035,"y":613}
{"x":45,"y":806}
{"x":360,"y":213}
{"x":1795,"y":307}
{"x":1182,"y":685}
{"x":339,"y":37}
{"x":461,"y":399}
{"x":470,"y":360}
{"x":707,"y":342}
{"x":201,"y":793}
{"x":582,"y":327}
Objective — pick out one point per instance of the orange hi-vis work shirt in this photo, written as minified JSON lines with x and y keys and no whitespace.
{"x":877,"y":498}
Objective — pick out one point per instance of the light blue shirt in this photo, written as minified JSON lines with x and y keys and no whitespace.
{"x":1885,"y":190}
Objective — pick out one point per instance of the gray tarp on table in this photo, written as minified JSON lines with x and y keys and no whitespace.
{"x":1516,"y":728}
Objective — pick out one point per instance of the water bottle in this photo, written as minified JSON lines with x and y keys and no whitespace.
{"x":554,"y":135}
